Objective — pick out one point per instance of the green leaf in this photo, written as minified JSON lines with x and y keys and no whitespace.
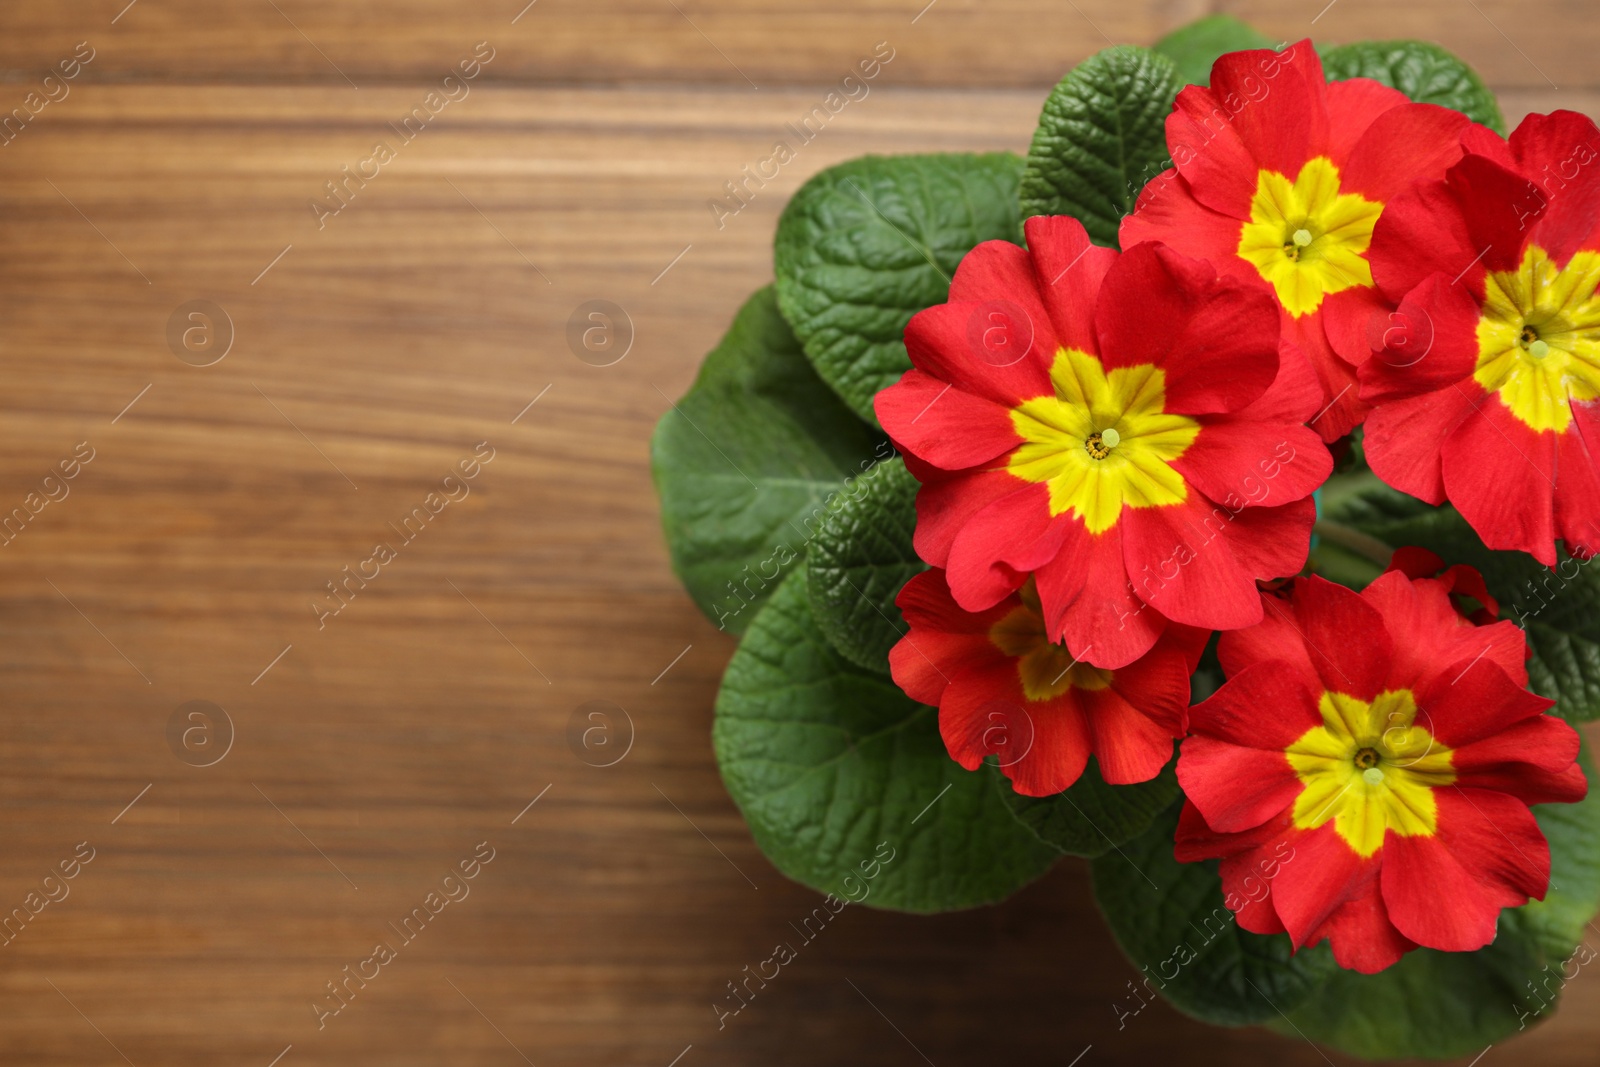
{"x":860,"y":558}
{"x":1170,"y":919}
{"x":1425,"y":72}
{"x":1441,"y":1004}
{"x":1090,"y":817}
{"x":746,"y":462}
{"x":1193,"y":48}
{"x":865,"y":245}
{"x":831,"y":763}
{"x":1101,"y":138}
{"x":1559,"y":610}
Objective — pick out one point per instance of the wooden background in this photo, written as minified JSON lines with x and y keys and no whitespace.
{"x":375,"y":353}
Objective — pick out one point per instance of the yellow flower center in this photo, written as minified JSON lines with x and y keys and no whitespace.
{"x":1047,"y":670}
{"x":1371,"y":769}
{"x":1103,"y":441}
{"x":1306,"y":238}
{"x":1539,"y":337}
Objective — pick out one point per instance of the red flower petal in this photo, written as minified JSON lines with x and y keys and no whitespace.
{"x":1577,"y":515}
{"x":946,"y":504}
{"x":1233,"y":714}
{"x":1404,"y":144}
{"x":1429,"y":343}
{"x":1216,"y":341}
{"x":1260,"y":463}
{"x":1474,"y":699}
{"x":1090,"y":605}
{"x":942,"y":640}
{"x":1434,"y":637}
{"x":1500,"y":475}
{"x":1327,"y":631}
{"x":1445,"y":891}
{"x":1355,"y":107}
{"x":1403,"y":439}
{"x":942,"y":425}
{"x":1554,"y":150}
{"x":1237,"y":788}
{"x":1326,"y":872}
{"x":1069,"y":271}
{"x":1000,"y":545}
{"x":1182,"y":562}
{"x":1342,"y":409}
{"x":1532,"y":761}
{"x":1130,"y":743}
{"x":1422,"y":231}
{"x":947,"y":341}
{"x":1167,"y":211}
{"x":1363,"y":937}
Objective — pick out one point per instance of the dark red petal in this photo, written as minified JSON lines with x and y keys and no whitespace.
{"x":1195,"y":840}
{"x":1428,"y":343}
{"x":1446,"y":891}
{"x":1353,"y":319}
{"x":1216,"y":341}
{"x":1406,"y":143}
{"x":1415,"y":562}
{"x":1404,"y":439}
{"x":1089,"y":604}
{"x":1498,"y":472}
{"x":1500,"y":207}
{"x":1433,"y":635}
{"x":1248,"y":889}
{"x":1041,"y":746}
{"x":943,"y":425}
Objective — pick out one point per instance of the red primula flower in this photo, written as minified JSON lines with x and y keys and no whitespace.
{"x":1390,"y":744}
{"x":1486,"y":380}
{"x":1119,"y":427}
{"x":1003,"y":688}
{"x":1279,"y":177}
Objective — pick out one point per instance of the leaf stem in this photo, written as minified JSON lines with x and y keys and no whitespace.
{"x":1363,"y":544}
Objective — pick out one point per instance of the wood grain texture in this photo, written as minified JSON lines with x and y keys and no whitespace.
{"x":375,"y":354}
{"x":993,"y":43}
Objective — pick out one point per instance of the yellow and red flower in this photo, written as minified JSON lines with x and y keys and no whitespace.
{"x":1003,"y":688}
{"x":1391,"y":744}
{"x":1119,"y":427}
{"x":1278,"y":180}
{"x":1485,"y":376}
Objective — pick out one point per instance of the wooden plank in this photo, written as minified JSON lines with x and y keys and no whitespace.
{"x":988,"y":43}
{"x":381,"y":748}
